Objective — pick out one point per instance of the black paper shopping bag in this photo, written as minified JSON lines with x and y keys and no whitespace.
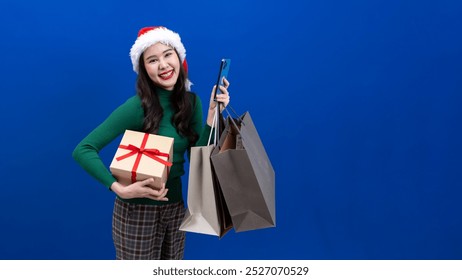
{"x":245,"y":175}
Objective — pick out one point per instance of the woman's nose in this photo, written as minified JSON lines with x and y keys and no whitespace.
{"x":162,"y":64}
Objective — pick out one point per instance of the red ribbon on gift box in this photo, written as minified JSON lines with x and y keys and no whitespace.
{"x":152,"y":153}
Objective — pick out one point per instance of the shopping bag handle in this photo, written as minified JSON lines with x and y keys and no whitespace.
{"x":212,"y":130}
{"x":232,"y":120}
{"x":215,"y":125}
{"x":236,"y":114}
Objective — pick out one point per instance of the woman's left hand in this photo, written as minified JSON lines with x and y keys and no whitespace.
{"x":222,"y":98}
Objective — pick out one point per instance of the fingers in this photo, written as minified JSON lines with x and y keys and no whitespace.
{"x":226,"y":82}
{"x":212,"y":103}
{"x":146,"y":182}
{"x":149,"y":190}
{"x":152,"y":184}
{"x":160,"y":195}
{"x":155,"y":193}
{"x":223,"y":89}
{"x":223,"y":98}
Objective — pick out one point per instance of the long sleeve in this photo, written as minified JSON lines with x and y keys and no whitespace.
{"x":128,"y":116}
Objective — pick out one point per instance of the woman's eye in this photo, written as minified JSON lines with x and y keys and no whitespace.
{"x":168,"y":54}
{"x":152,"y":60}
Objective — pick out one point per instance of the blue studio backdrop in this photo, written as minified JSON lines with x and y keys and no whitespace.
{"x":358,"y":104}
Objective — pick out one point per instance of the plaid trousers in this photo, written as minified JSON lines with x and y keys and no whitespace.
{"x":148,"y":232}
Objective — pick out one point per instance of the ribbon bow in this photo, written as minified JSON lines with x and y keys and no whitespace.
{"x":140,"y":151}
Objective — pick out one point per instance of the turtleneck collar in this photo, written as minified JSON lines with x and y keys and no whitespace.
{"x":163,"y":92}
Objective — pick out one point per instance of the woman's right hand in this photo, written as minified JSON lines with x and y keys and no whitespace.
{"x":140,"y":189}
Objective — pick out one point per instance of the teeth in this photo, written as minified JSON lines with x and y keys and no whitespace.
{"x":166,"y":74}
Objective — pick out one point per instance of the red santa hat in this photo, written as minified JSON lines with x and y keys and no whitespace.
{"x":148,"y":36}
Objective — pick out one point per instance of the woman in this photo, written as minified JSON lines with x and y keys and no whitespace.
{"x":145,"y":220}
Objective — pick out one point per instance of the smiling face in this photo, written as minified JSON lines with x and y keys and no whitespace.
{"x":162,"y":65}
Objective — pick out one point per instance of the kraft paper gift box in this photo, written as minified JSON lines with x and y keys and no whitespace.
{"x":141,"y":156}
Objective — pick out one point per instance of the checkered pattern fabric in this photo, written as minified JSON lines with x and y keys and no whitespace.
{"x":148,"y":232}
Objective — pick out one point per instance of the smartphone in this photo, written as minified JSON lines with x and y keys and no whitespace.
{"x":223,"y":73}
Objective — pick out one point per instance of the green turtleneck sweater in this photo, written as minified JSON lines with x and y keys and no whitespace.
{"x":130,"y":115}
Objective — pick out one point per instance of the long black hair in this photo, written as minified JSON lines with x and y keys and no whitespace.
{"x":182,"y":102}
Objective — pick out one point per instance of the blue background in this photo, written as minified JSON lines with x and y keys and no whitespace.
{"x":357,"y":102}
